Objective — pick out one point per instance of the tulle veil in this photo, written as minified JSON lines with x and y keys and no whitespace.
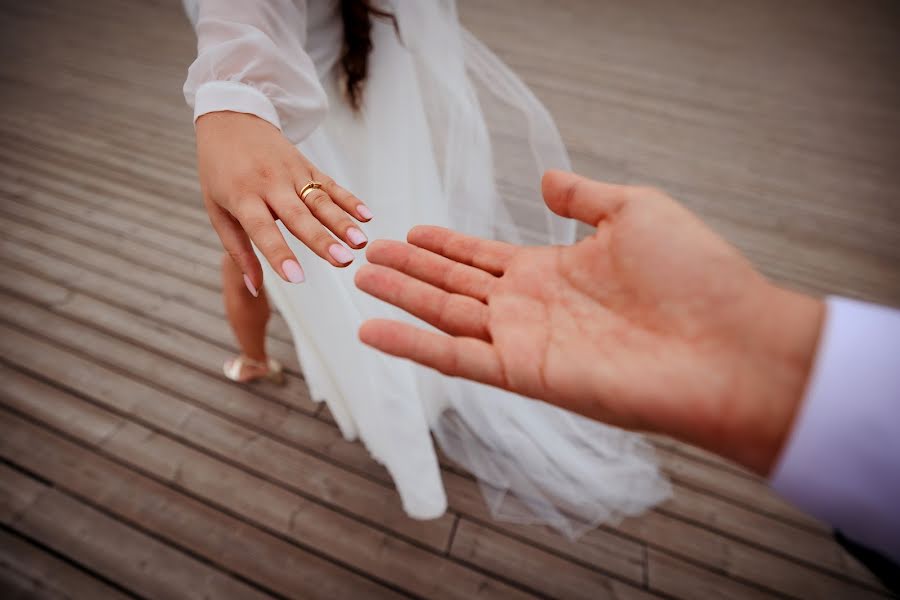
{"x":494,"y":139}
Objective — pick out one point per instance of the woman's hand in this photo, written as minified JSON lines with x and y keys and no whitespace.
{"x":654,"y":322}
{"x":251,"y":175}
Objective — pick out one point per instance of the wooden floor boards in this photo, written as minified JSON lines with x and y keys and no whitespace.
{"x":130,"y":468}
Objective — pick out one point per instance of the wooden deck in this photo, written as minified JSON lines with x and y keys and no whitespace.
{"x":131,"y":468}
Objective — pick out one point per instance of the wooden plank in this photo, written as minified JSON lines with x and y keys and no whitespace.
{"x":711,"y":516}
{"x":155,"y":145}
{"x":163,"y":309}
{"x":700,"y":455}
{"x":43,"y":575}
{"x":169,"y":183}
{"x":228,"y":542}
{"x":540,"y":570}
{"x":170,"y":236}
{"x":276,"y":509}
{"x":613,"y":553}
{"x":115,"y":266}
{"x":230,"y":438}
{"x":121,"y":554}
{"x":174,"y":343}
{"x":680,"y":579}
{"x":742,"y":561}
{"x":30,"y":186}
{"x":315,"y":433}
{"x":705,"y":544}
{"x":126,"y":271}
{"x":22,"y":208}
{"x":744,"y":492}
{"x":676,"y":535}
{"x":147,"y":270}
{"x":184,"y":265}
{"x":65,"y":169}
{"x":813,"y":548}
{"x":18,"y":493}
{"x":113,"y":164}
{"x":16,"y":586}
{"x":164,"y":137}
{"x":719,"y":132}
{"x":175,"y":155}
{"x":79,"y":172}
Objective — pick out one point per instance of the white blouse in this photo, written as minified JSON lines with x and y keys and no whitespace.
{"x":265,"y":59}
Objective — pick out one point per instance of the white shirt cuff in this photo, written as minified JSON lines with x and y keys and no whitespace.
{"x":842,"y":461}
{"x":215,"y":96}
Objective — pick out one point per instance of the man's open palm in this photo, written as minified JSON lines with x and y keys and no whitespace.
{"x":653,"y":322}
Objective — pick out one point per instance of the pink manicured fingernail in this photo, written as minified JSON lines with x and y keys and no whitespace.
{"x":363,"y":211}
{"x":292,"y":270}
{"x":339,"y":253}
{"x":356,"y":236}
{"x":250,"y":286}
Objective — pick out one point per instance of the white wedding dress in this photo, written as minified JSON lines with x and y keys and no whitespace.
{"x":448,"y":136}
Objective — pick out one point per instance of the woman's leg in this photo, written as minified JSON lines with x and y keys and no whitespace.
{"x":247,"y":316}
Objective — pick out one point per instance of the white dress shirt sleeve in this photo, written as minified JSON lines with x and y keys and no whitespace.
{"x":841,"y":463}
{"x":251,"y":59}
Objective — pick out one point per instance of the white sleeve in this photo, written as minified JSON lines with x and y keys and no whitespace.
{"x":842,"y":460}
{"x":251,"y":59}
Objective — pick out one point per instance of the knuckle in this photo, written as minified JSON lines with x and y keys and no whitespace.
{"x":216,"y":202}
{"x":317,"y":200}
{"x":234,"y":256}
{"x":270,"y":245}
{"x":321,"y":240}
{"x":255,"y":225}
{"x":342,"y":225}
{"x":294,"y":212}
{"x":241,"y":207}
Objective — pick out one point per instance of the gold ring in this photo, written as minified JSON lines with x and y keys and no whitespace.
{"x":306,"y":189}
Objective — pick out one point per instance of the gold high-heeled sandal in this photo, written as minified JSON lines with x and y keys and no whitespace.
{"x":233,"y":367}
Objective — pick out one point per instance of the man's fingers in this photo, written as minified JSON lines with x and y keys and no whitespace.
{"x":490,"y":256}
{"x":236,"y":243}
{"x":453,"y":313}
{"x":257,"y":221}
{"x":570,"y":195}
{"x":432,"y":268}
{"x":453,"y":356}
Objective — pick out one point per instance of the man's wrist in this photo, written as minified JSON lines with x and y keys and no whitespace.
{"x":782,"y":349}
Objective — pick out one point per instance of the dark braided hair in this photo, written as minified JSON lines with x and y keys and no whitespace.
{"x":357,"y":16}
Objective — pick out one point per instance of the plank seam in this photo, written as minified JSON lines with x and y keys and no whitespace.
{"x":86,"y":446}
{"x":62,"y":557}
